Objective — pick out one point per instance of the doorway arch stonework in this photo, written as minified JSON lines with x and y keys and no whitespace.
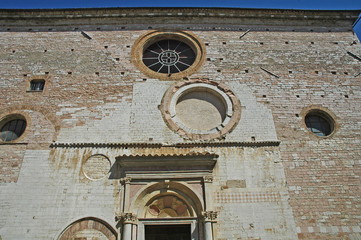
{"x":88,"y":228}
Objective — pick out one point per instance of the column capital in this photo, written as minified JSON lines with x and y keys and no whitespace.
{"x":208,"y":178}
{"x":126,"y":180}
{"x":209,"y":216}
{"x":126,"y":218}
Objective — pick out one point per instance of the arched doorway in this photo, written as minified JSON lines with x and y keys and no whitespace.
{"x":168,"y":210}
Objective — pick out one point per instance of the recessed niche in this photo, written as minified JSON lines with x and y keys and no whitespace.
{"x":201,"y":109}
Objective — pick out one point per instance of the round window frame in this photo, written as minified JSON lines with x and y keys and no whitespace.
{"x":10,"y":117}
{"x":232,"y":107}
{"x":323,"y":112}
{"x":149,"y":38}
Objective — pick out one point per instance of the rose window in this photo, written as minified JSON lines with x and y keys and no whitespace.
{"x":168,"y":56}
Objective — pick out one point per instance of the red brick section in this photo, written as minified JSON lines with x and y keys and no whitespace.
{"x":70,"y":82}
{"x":323,"y":174}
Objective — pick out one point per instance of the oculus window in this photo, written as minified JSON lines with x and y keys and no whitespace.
{"x":12,"y":128}
{"x":318,"y":124}
{"x":320,"y":121}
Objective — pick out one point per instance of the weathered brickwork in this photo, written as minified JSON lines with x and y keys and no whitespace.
{"x":71,"y":174}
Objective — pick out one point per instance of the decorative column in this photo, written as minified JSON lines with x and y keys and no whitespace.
{"x":208,"y":191}
{"x":209,"y":217}
{"x":125,"y":218}
{"x":128,"y":220}
{"x":126,"y":183}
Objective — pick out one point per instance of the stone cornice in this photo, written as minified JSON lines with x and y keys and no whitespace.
{"x":159,"y":145}
{"x":169,"y":165}
{"x":279,"y":18}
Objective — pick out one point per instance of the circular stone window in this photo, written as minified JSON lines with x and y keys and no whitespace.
{"x":319,"y":120}
{"x":168,"y":55}
{"x":12,"y":127}
{"x":319,"y":123}
{"x":200,"y":109}
{"x":96,"y":167}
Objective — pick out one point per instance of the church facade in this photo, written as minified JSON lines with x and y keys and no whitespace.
{"x":179,"y":123}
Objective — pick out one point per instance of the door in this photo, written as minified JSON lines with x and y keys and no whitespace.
{"x":168,"y":232}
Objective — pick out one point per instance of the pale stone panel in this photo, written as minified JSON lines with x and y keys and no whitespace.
{"x":256,"y":119}
{"x":111,"y":126}
{"x":146,"y":120}
{"x":255,"y":221}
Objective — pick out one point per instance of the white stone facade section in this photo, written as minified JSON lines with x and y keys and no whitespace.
{"x":146,"y":119}
{"x":256,"y":119}
{"x":255,"y":221}
{"x":113,"y":126}
{"x":50,"y":194}
{"x":141,"y":120}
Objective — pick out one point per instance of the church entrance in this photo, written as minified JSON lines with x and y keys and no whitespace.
{"x":168,"y":232}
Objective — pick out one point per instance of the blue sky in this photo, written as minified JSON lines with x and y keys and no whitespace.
{"x":281,"y":4}
{"x":290,"y":4}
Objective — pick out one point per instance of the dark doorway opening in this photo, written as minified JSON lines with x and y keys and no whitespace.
{"x":168,"y":232}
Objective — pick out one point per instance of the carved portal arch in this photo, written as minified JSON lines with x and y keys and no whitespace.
{"x":180,"y":195}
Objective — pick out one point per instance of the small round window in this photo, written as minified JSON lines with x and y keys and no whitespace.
{"x":319,"y":123}
{"x":12,"y":128}
{"x":168,"y":56}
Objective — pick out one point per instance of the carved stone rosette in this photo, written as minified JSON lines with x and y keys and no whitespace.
{"x":209,"y":216}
